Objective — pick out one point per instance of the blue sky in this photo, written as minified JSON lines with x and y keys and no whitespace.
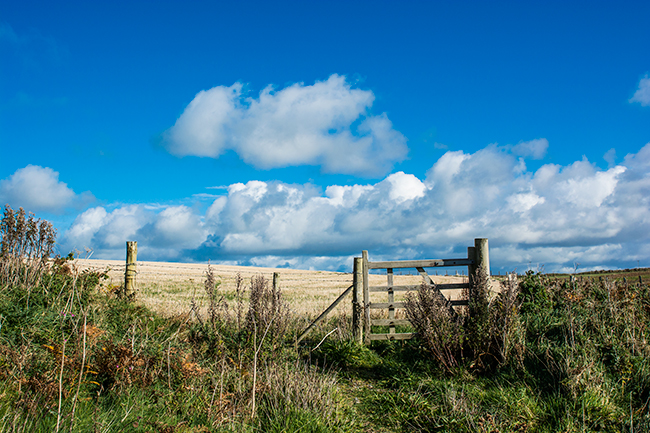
{"x":299,"y":133}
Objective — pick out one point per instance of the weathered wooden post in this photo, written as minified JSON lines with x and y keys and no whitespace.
{"x":131,"y":263}
{"x":357,"y":306}
{"x":276,"y":282}
{"x":482,"y":253}
{"x":471,"y":270}
{"x":366,"y":297}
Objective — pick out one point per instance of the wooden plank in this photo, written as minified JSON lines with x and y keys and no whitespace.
{"x":450,"y":286}
{"x":395,"y":288}
{"x":401,"y":336}
{"x":324,"y":313}
{"x":437,"y":263}
{"x":389,"y":322}
{"x":384,"y":305}
{"x":427,"y":279}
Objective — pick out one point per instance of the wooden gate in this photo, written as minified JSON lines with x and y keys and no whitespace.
{"x":477,"y":256}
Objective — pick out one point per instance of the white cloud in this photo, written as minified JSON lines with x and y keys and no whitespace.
{"x":405,"y":187}
{"x":86,"y":225}
{"x":163,"y":232}
{"x":523,"y":202}
{"x":556,"y":215}
{"x":36,"y":188}
{"x":642,"y":95}
{"x":298,"y":125}
{"x":178,"y":226}
{"x":535,"y":149}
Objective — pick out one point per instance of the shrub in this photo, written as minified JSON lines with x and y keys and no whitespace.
{"x":507,"y":330}
{"x":268,"y":313}
{"x":490,"y":333}
{"x":478,"y":325}
{"x":26,"y":243}
{"x":437,"y":325}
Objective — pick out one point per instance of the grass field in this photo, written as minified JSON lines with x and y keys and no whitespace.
{"x":628,"y":274}
{"x":196,"y":351}
{"x":168,"y":288}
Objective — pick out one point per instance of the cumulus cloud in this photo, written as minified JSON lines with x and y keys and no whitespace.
{"x":36,"y":188}
{"x":298,"y":125}
{"x":163,"y":232}
{"x":556,"y":216}
{"x":642,"y":94}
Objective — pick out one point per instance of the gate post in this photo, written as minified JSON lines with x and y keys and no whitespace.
{"x":482,"y":255}
{"x":357,"y":306}
{"x":471,"y":270}
{"x":366,"y":298}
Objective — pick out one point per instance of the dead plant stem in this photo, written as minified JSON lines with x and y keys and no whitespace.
{"x":58,"y":414}
{"x":257,"y":351}
{"x":81,"y":372}
{"x":321,"y":342}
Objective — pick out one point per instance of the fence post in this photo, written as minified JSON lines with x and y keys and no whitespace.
{"x":482,"y":253}
{"x":357,"y":306}
{"x":276,"y":282}
{"x":366,"y":298}
{"x":131,"y":263}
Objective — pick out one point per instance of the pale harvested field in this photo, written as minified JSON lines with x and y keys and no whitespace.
{"x":168,"y":288}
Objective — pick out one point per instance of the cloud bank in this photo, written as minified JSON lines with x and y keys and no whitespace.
{"x":327,"y":124}
{"x":37,"y":189}
{"x":556,"y":216}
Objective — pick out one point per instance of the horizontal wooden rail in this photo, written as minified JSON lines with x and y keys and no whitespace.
{"x":399,"y":264}
{"x":450,"y":286}
{"x":402,"y":336}
{"x":459,"y":302}
{"x":383,"y":305}
{"x":395,"y":288}
{"x":389,"y":322}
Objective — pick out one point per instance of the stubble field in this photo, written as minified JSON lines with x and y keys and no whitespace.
{"x":169,"y":288}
